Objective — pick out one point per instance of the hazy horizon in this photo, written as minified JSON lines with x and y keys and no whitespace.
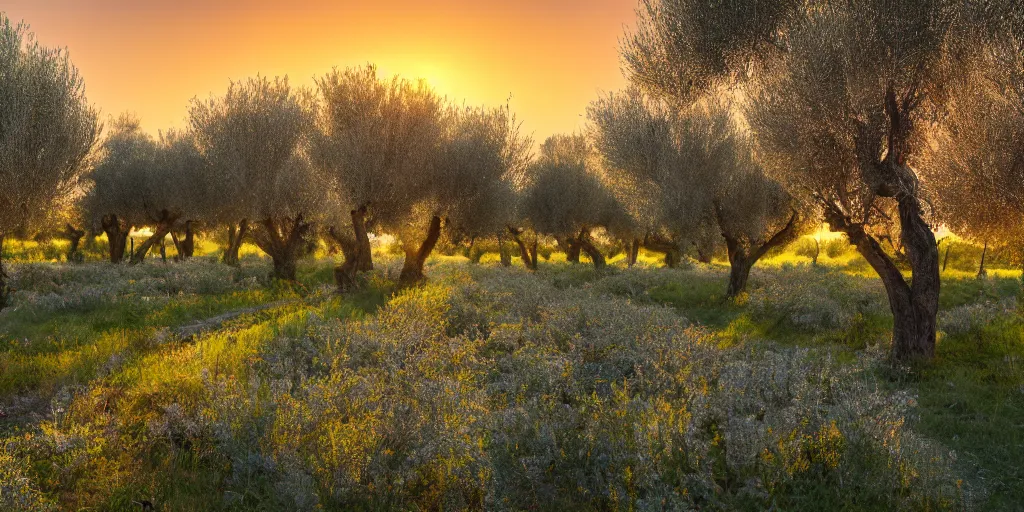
{"x":153,"y":58}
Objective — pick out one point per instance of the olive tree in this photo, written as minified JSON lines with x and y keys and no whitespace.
{"x":690,"y":175}
{"x":469,"y":184}
{"x":191,"y":184}
{"x":976,"y":159}
{"x":566,"y":197}
{"x":376,"y":139}
{"x":47,"y":131}
{"x":639,"y":141}
{"x":839,"y":96}
{"x":253,"y":140}
{"x":120,"y":183}
{"x":141,"y":181}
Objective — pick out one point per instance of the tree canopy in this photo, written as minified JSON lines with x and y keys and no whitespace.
{"x":254,"y":139}
{"x":47,"y":131}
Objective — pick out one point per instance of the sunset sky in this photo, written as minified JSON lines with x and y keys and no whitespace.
{"x":152,"y":57}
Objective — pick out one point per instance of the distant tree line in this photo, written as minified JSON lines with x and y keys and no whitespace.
{"x":745,"y":124}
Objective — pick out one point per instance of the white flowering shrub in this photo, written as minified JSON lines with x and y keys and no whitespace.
{"x":495,"y":389}
{"x":814,"y":299}
{"x":46,"y":288}
{"x":500,"y":389}
{"x":17,"y":493}
{"x":973,"y":317}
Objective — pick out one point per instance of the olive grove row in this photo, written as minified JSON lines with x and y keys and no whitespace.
{"x":746,"y":123}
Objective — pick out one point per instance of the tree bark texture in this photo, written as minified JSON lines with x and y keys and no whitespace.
{"x":5,"y":291}
{"x":74,"y":237}
{"x":742,"y":257}
{"x":164,"y":225}
{"x":282,"y":240}
{"x":415,"y":258}
{"x":587,"y":245}
{"x":117,"y":236}
{"x":633,"y":252}
{"x":529,"y":257}
{"x":236,"y":235}
{"x":186,"y":246}
{"x":914,"y":305}
{"x":357,"y":251}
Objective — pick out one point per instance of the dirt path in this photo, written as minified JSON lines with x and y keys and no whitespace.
{"x":187,"y":332}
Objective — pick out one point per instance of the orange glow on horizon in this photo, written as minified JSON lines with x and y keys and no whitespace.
{"x":552,"y":57}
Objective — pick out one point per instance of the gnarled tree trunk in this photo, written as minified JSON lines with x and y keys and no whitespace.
{"x":633,"y":252}
{"x":587,"y":245}
{"x":529,"y":257}
{"x":282,"y":243}
{"x":365,"y":254}
{"x":186,"y":246}
{"x":74,"y":237}
{"x":669,"y":249}
{"x":117,"y":236}
{"x":5,"y":291}
{"x":914,"y":305}
{"x":163,"y":226}
{"x":504,"y":256}
{"x":415,"y":258}
{"x":235,"y":238}
{"x":743,"y":257}
{"x":357,"y":251}
{"x":573,"y":250}
{"x":982,"y":273}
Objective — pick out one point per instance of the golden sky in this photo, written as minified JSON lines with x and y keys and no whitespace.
{"x":152,"y":56}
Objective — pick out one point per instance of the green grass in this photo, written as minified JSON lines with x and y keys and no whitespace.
{"x":970,"y":399}
{"x":69,"y":348}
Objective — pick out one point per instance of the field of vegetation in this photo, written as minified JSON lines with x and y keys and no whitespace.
{"x":199,"y":386}
{"x":779,"y":269}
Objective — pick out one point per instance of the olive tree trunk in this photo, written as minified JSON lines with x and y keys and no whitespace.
{"x":503,"y":254}
{"x":743,"y":257}
{"x":235,"y":237}
{"x":529,"y":257}
{"x":356,"y":250}
{"x":587,"y":245}
{"x":633,"y":252}
{"x":117,"y":237}
{"x":415,"y":258}
{"x":982,"y":273}
{"x":914,"y":305}
{"x":5,"y":291}
{"x":282,"y":240}
{"x":669,"y":249}
{"x":186,"y":246}
{"x":164,"y":226}
{"x":573,"y":250}
{"x":74,"y":237}
{"x":365,"y":255}
{"x":475,"y":253}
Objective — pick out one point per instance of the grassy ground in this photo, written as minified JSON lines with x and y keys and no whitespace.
{"x":493,"y":388}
